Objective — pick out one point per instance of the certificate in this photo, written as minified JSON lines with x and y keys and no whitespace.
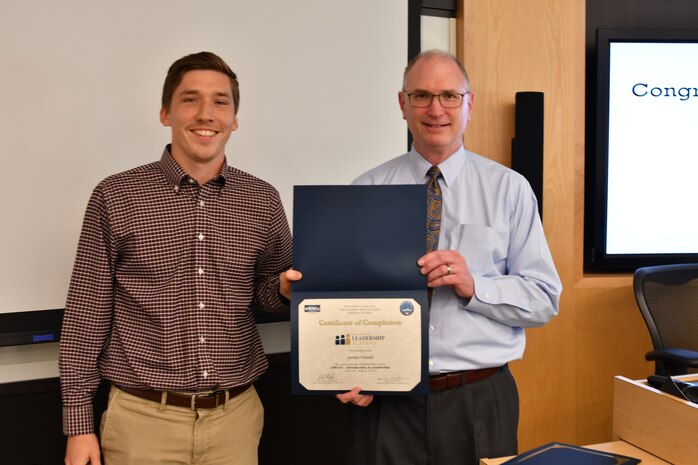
{"x":359,"y":315}
{"x":372,"y":343}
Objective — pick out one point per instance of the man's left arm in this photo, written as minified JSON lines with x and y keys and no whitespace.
{"x":275,"y":260}
{"x":526,"y":293}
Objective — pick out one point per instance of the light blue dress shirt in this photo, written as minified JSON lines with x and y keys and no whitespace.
{"x":490,"y":215}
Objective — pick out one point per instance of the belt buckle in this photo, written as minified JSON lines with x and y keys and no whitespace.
{"x":198,"y":395}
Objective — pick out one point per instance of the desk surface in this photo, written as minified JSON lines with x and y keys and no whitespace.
{"x":617,"y":447}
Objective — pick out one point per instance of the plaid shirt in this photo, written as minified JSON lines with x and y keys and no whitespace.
{"x":165,"y":275}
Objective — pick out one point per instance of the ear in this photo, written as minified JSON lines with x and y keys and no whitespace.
{"x":165,"y":117}
{"x":235,"y":123}
{"x":471,"y":99}
{"x":402,"y":99}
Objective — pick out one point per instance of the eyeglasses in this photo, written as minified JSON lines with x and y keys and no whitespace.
{"x":424,"y":99}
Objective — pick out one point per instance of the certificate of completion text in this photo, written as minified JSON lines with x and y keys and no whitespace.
{"x":373,"y":343}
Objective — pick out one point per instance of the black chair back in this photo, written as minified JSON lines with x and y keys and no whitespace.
{"x":667,"y":296}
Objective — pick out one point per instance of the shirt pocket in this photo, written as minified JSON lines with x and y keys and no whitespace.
{"x":484,"y":248}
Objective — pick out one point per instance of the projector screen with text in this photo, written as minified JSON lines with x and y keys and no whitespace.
{"x":642,"y":151}
{"x":653,"y":148}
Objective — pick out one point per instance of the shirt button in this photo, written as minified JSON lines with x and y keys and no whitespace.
{"x":205,"y":374}
{"x":201,"y":203}
{"x":201,"y":305}
{"x":202,"y":339}
{"x":176,"y":188}
{"x":201,"y":271}
{"x":192,"y":180}
{"x":201,"y":236}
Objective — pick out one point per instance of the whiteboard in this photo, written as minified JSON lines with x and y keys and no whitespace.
{"x":82,"y":82}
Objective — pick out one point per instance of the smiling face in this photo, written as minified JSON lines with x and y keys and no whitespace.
{"x":437,"y":131}
{"x":202,"y":117}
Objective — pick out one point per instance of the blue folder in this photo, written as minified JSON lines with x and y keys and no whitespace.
{"x":557,"y":453}
{"x":359,"y":242}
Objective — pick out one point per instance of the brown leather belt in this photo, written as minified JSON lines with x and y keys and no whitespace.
{"x":458,"y":378}
{"x":192,"y":401}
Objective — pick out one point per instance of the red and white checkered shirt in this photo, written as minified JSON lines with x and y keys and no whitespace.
{"x":165,"y":276}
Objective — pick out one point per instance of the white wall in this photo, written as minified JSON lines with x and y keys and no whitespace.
{"x":81,"y":87}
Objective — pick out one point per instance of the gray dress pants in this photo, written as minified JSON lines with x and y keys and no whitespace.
{"x":455,"y":426}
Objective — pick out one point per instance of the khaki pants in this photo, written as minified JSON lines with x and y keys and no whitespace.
{"x":136,"y":431}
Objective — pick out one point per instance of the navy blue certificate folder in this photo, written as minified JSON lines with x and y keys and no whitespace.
{"x":359,"y":242}
{"x":557,"y":453}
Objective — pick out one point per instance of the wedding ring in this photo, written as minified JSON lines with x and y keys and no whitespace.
{"x":448,"y":269}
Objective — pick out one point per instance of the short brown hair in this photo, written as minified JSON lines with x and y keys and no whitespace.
{"x":197,"y":61}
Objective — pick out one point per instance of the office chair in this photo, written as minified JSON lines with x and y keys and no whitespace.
{"x":668,"y":299}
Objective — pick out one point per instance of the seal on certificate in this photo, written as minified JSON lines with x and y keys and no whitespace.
{"x":406,"y":308}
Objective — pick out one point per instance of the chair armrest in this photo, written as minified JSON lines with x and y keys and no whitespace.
{"x":673,"y":356}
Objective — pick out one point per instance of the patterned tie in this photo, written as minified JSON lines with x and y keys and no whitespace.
{"x":433,"y":208}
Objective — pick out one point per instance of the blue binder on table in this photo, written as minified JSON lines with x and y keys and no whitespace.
{"x":557,"y":453}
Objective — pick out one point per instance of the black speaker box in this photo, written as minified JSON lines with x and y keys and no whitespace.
{"x":527,"y":145}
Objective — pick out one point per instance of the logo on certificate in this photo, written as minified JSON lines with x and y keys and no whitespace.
{"x":311,"y":308}
{"x":342,"y":339}
{"x":406,"y":308}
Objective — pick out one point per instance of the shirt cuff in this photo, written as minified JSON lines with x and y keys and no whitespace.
{"x":482,"y":297}
{"x":78,"y":420}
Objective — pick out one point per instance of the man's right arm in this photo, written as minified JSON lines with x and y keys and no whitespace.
{"x":87,"y":319}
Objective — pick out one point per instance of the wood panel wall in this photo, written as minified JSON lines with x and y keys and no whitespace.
{"x":565,"y":378}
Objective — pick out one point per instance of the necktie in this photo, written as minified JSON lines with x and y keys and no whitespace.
{"x":433,"y":208}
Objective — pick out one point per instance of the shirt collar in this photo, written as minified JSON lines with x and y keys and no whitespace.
{"x":449,"y":168}
{"x":176,"y":176}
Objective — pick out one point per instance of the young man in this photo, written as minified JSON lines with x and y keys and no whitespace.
{"x":171,"y":257}
{"x":491,"y":274}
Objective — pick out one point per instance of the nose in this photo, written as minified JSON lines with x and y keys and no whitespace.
{"x":435,"y":107}
{"x":205,"y":111}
